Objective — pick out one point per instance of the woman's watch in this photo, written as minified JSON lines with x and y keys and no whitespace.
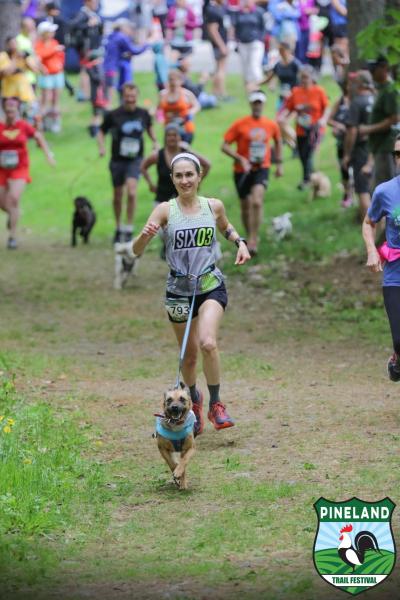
{"x":240,"y":239}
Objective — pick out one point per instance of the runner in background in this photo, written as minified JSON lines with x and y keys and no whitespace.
{"x":14,"y":80}
{"x":14,"y":162}
{"x":51,"y":79}
{"x":355,"y":144}
{"x":127,"y":125}
{"x":252,"y":136}
{"x":86,"y":31}
{"x":179,"y":105}
{"x":386,"y":205}
{"x":338,"y":119}
{"x":310,"y":104}
{"x":118,"y":57}
{"x":164,"y":188}
{"x":287,"y":72}
{"x":216,"y":26}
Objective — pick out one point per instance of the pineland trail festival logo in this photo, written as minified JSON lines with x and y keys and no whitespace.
{"x":354,"y":547}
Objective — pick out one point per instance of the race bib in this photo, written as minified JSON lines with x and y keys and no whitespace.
{"x":257,"y":152}
{"x":178,"y":309}
{"x":9,"y":159}
{"x":285,"y":90}
{"x":129,"y":147}
{"x":304,"y":121}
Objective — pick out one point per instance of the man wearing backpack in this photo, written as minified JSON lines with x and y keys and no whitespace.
{"x":86,"y":33}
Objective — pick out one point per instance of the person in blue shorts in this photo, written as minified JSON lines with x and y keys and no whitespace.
{"x":386,"y":204}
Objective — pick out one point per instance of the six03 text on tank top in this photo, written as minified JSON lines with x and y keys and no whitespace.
{"x":191,"y":249}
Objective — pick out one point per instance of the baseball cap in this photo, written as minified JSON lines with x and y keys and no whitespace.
{"x":46,"y":27}
{"x":380,"y":61}
{"x":257,"y":96}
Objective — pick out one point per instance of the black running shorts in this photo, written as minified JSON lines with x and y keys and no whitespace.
{"x":245,"y":181}
{"x":219,"y":294}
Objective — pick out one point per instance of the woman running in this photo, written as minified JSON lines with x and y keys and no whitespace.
{"x":190,"y":223}
{"x":386,"y":205}
{"x":179,"y":105}
{"x":14,"y":162}
{"x":310,"y":104}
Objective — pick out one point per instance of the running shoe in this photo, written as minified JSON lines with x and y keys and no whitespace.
{"x":198,"y":411}
{"x":219,"y":417}
{"x":347,"y":202}
{"x":117,"y":239}
{"x":303,"y":185}
{"x":393,"y":367}
{"x":12,"y":243}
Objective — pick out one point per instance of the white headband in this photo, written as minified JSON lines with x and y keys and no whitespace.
{"x":188,"y":156}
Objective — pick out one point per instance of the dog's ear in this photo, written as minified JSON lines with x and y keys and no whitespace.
{"x":183,"y":386}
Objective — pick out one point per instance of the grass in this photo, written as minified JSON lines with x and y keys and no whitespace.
{"x":83,"y":368}
{"x":49,"y":490}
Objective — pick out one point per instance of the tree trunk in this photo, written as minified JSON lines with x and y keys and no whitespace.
{"x":360,"y":14}
{"x":10,"y":19}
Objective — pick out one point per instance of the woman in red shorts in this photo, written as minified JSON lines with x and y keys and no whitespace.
{"x":14,"y":162}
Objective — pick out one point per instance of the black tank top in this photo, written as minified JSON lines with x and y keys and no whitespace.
{"x":165,"y":188}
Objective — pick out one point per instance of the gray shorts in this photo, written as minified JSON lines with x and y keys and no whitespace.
{"x":121,"y":170}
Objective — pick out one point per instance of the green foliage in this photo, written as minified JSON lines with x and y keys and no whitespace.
{"x":381,"y":37}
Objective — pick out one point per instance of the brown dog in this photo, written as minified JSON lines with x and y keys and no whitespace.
{"x":320,"y":185}
{"x":174,"y":433}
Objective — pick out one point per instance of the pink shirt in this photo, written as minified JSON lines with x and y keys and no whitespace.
{"x":304,"y":21}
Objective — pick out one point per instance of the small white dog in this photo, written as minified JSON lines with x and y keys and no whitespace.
{"x":282,"y":225}
{"x":125,"y":263}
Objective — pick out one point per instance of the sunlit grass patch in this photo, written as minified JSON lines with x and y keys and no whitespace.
{"x":49,"y":489}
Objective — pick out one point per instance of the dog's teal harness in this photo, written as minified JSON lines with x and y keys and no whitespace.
{"x":177,"y":437}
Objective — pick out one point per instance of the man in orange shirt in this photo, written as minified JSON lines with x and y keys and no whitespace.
{"x":252,"y":136}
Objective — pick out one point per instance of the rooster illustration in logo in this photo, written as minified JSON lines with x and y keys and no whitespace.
{"x":354,"y":556}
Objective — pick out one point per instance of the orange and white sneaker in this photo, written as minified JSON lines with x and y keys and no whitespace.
{"x":197,"y":408}
{"x":219,"y":417}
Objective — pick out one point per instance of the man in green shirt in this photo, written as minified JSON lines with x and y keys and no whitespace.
{"x":384,"y":116}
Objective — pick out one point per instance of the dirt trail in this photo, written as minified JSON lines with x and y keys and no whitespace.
{"x":310,"y":409}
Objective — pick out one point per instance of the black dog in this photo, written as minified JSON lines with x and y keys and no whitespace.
{"x":84,"y":218}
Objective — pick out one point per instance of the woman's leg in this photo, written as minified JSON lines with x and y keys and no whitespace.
{"x":256,"y":214}
{"x":3,"y":203}
{"x":13,"y":194}
{"x":391,"y":296}
{"x":210,"y":315}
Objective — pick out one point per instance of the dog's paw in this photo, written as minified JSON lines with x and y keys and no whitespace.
{"x":178,"y":473}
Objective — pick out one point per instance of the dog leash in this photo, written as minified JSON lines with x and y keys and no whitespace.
{"x":187,"y":330}
{"x":190,"y":317}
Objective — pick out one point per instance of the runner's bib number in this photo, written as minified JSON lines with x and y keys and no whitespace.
{"x":178,"y":309}
{"x":257,"y":152}
{"x":304,"y":121}
{"x":129,"y":147}
{"x":9,"y":159}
